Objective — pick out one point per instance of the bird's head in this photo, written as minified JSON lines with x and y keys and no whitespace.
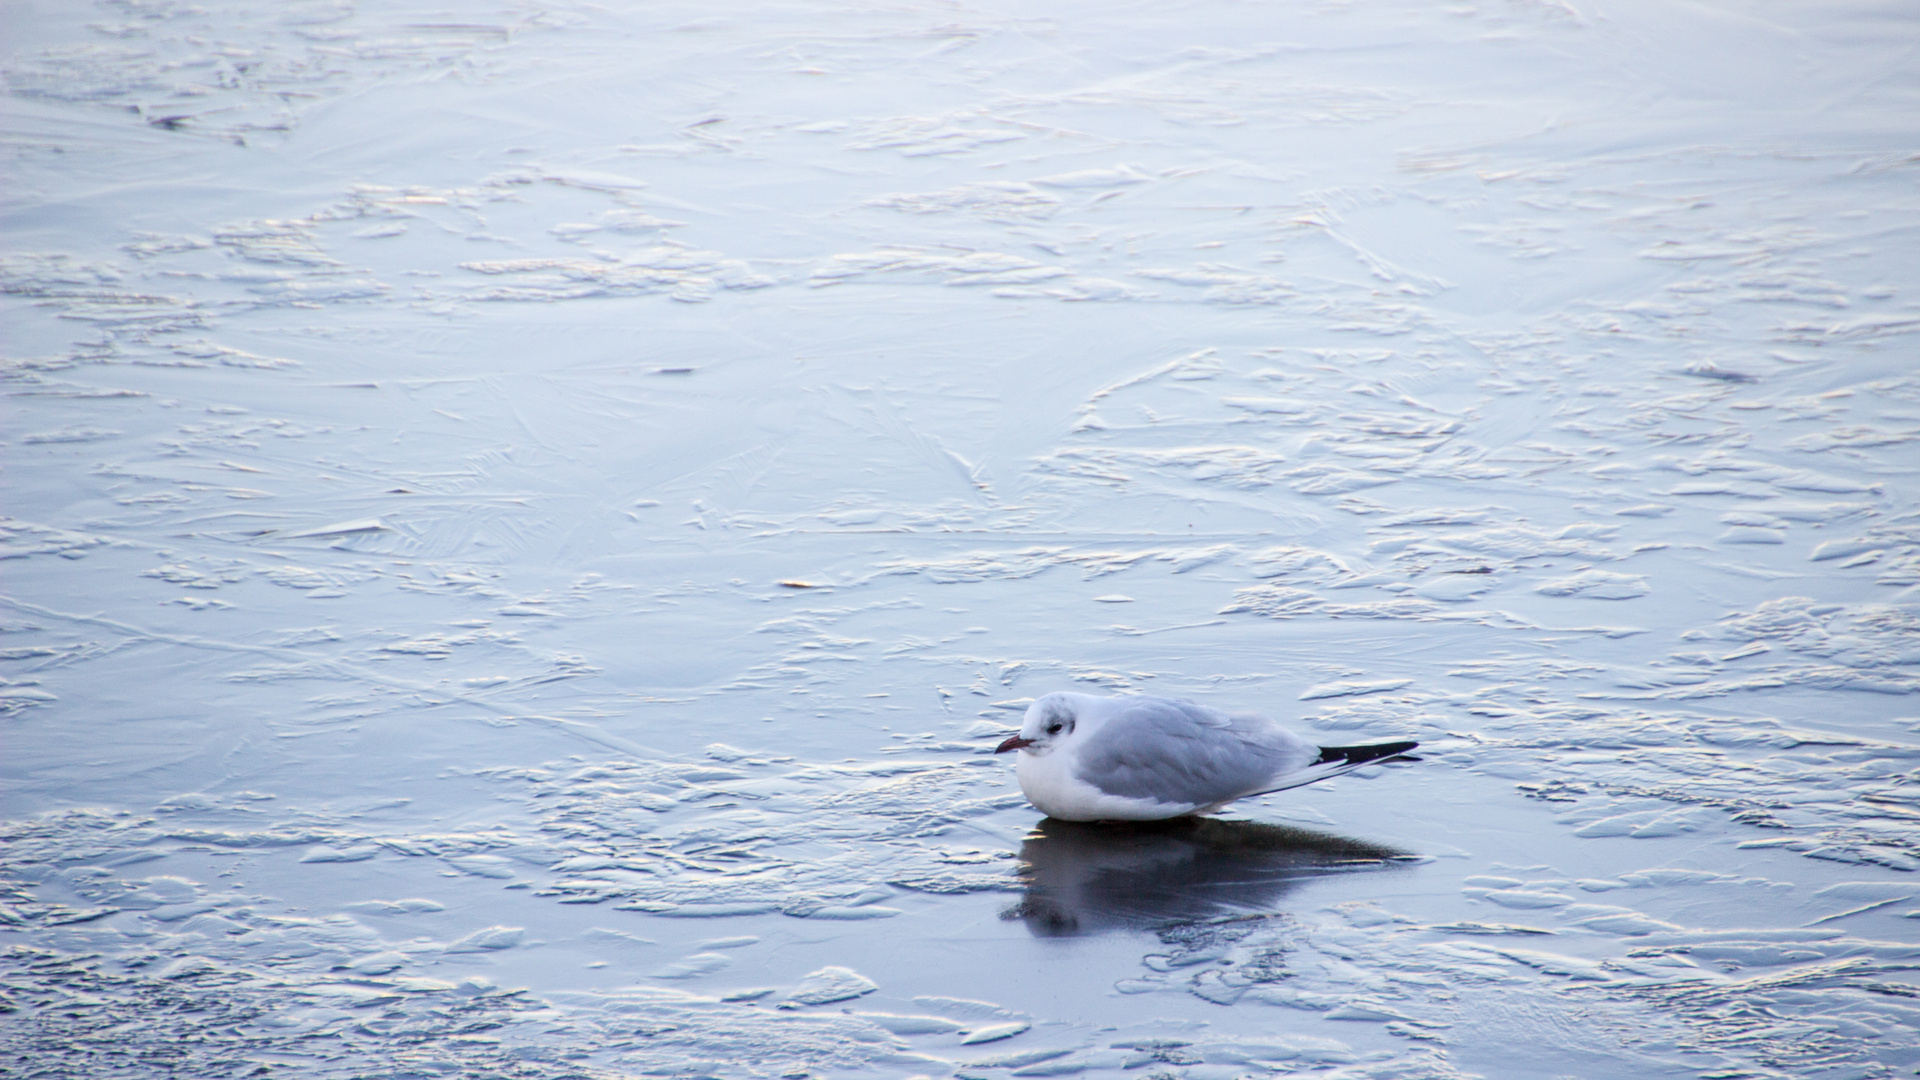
{"x":1049,"y":719}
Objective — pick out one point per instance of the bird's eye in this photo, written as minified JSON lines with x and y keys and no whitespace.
{"x":1053,"y":729}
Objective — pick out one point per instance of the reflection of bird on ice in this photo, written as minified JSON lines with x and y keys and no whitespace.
{"x":1142,"y":758}
{"x":1084,"y":878}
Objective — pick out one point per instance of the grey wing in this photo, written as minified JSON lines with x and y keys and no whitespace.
{"x":1180,"y":752}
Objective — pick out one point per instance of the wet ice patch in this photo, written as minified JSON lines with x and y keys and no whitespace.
{"x":694,"y":966}
{"x":1597,"y":585}
{"x":1351,"y":687}
{"x":493,"y":938}
{"x":323,"y":853}
{"x":828,"y":985}
{"x":411,"y":906}
{"x":486,"y":866}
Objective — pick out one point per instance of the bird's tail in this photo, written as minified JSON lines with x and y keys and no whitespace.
{"x":1335,"y":760}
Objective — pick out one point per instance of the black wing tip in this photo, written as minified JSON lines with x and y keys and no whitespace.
{"x":1360,"y":755}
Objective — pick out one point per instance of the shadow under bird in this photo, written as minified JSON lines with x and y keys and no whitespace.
{"x":1144,"y":758}
{"x":1082,"y":878}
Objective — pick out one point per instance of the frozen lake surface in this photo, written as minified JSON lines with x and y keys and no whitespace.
{"x":525,"y":522}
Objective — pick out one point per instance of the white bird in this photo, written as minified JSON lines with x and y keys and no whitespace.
{"x":1141,"y":758}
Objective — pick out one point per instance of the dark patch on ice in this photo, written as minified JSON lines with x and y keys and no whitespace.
{"x":1086,"y":878}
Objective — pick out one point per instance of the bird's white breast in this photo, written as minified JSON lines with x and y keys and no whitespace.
{"x":1049,"y":784}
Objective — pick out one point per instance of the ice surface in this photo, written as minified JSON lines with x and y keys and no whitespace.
{"x":524,"y":525}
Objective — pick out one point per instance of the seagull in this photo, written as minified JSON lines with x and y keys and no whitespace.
{"x":1143,"y":758}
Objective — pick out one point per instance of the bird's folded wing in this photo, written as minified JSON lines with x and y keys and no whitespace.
{"x":1178,"y":753}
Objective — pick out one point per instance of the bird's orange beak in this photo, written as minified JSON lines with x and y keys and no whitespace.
{"x":1014,"y":743}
